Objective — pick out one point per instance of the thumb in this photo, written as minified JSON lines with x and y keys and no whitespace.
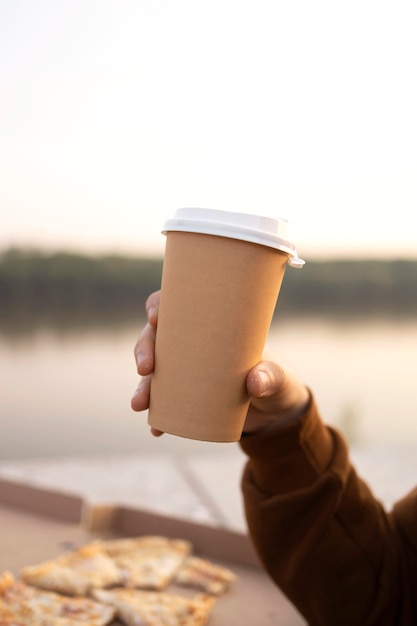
{"x":266,"y":379}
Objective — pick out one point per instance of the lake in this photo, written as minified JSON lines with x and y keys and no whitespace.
{"x":66,"y":392}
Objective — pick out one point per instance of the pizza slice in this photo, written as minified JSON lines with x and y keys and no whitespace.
{"x":147,"y":562}
{"x":24,"y":605}
{"x":149,"y":608}
{"x":205,"y":575}
{"x":75,"y":573}
{"x":10,"y":618}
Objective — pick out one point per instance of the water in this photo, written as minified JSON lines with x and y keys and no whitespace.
{"x":67,"y":391}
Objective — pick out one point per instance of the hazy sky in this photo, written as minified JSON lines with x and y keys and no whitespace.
{"x":113,"y":113}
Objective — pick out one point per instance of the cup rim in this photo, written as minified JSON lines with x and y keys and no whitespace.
{"x":262,"y":230}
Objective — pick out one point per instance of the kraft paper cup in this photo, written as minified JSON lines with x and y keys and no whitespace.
{"x":221,"y":278}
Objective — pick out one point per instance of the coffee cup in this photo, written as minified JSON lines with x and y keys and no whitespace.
{"x":221,"y":278}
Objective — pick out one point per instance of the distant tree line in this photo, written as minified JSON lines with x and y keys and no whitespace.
{"x":351,"y":287}
{"x":36,"y":284}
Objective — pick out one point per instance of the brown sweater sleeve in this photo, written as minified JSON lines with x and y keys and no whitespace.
{"x":320,"y":533}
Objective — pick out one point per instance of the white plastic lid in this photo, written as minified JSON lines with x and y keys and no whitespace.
{"x":266,"y":231}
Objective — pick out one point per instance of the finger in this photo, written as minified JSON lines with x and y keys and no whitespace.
{"x":156,"y":433}
{"x":265,"y":379}
{"x":140,"y":398}
{"x":145,"y":346}
{"x":144,"y":350}
{"x":152,"y":307}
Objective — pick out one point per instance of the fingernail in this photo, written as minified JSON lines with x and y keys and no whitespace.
{"x":141,"y":358}
{"x":265,"y":380}
{"x":152,"y":312}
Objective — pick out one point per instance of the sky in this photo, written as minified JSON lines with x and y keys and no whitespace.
{"x":114,"y":113}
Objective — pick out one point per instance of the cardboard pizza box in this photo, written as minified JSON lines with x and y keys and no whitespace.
{"x":37,"y":524}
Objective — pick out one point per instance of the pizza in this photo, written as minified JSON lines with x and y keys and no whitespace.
{"x":127,"y":579}
{"x":149,"y":608}
{"x":24,"y":605}
{"x":75,"y":572}
{"x":148,"y":562}
{"x":203,"y":574}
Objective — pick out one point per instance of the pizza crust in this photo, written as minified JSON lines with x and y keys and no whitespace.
{"x":148,"y":562}
{"x":205,"y":575}
{"x":24,"y":605}
{"x":75,"y":573}
{"x":147,"y":608}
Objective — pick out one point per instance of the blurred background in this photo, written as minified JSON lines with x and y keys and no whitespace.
{"x":115,"y":113}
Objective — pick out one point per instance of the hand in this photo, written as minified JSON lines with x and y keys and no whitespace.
{"x":276,"y":395}
{"x":145,"y":357}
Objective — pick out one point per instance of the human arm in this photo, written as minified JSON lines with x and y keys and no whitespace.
{"x":320,"y":533}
